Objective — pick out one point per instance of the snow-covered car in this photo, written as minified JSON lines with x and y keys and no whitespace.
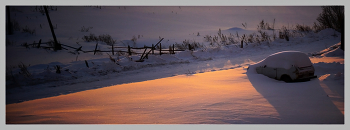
{"x":287,"y":66}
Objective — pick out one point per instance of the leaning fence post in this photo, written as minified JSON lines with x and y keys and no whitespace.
{"x":95,"y":48}
{"x":155,"y":45}
{"x":160,"y":49}
{"x":56,"y":46}
{"x":143,"y":54}
{"x":152,"y":49}
{"x":87,"y":65}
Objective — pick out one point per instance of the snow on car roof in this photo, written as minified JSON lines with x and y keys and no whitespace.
{"x":284,"y":59}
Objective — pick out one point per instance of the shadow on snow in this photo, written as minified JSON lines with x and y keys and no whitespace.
{"x":298,"y":102}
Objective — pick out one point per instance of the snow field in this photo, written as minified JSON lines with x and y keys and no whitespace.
{"x":209,"y":85}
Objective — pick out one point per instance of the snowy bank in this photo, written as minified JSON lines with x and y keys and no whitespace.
{"x":221,"y":97}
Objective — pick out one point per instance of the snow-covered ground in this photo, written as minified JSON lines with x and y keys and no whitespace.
{"x":219,"y":97}
{"x":207,"y":85}
{"x":45,"y":82}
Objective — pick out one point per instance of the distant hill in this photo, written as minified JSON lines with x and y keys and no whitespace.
{"x":235,"y":29}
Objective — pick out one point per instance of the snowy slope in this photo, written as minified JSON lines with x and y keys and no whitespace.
{"x":45,"y":78}
{"x":222,"y":97}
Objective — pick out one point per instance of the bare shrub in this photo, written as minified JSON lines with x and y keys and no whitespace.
{"x":58,"y":69}
{"x":317,"y":27}
{"x":250,"y":38}
{"x":208,"y":38}
{"x":85,"y":29}
{"x":24,"y":71}
{"x":264,"y":26}
{"x":103,"y":38}
{"x":284,"y":33}
{"x":187,"y":44}
{"x":333,"y":17}
{"x":28,"y":30}
{"x":90,"y":38}
{"x":107,"y":39}
{"x":264,"y":36}
{"x":8,"y":42}
{"x":41,"y":10}
{"x":15,"y":25}
{"x":134,"y":39}
{"x":303,"y":28}
{"x":51,"y":43}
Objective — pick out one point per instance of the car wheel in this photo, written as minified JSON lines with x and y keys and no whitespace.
{"x":286,"y":79}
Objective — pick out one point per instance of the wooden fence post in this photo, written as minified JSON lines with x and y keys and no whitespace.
{"x":129,"y":51}
{"x":242,"y":40}
{"x":39,"y":44}
{"x":155,"y":45}
{"x":160,"y":49}
{"x":173,"y":49}
{"x":170,"y":51}
{"x":112,"y":49}
{"x":152,"y":49}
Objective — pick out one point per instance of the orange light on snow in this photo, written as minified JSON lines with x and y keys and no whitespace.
{"x":204,"y":97}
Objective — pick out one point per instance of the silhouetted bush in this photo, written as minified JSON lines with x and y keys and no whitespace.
{"x":333,"y":17}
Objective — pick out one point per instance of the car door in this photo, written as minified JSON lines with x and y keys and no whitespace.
{"x":270,"y":72}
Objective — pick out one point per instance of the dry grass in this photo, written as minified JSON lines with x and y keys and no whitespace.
{"x":103,"y":38}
